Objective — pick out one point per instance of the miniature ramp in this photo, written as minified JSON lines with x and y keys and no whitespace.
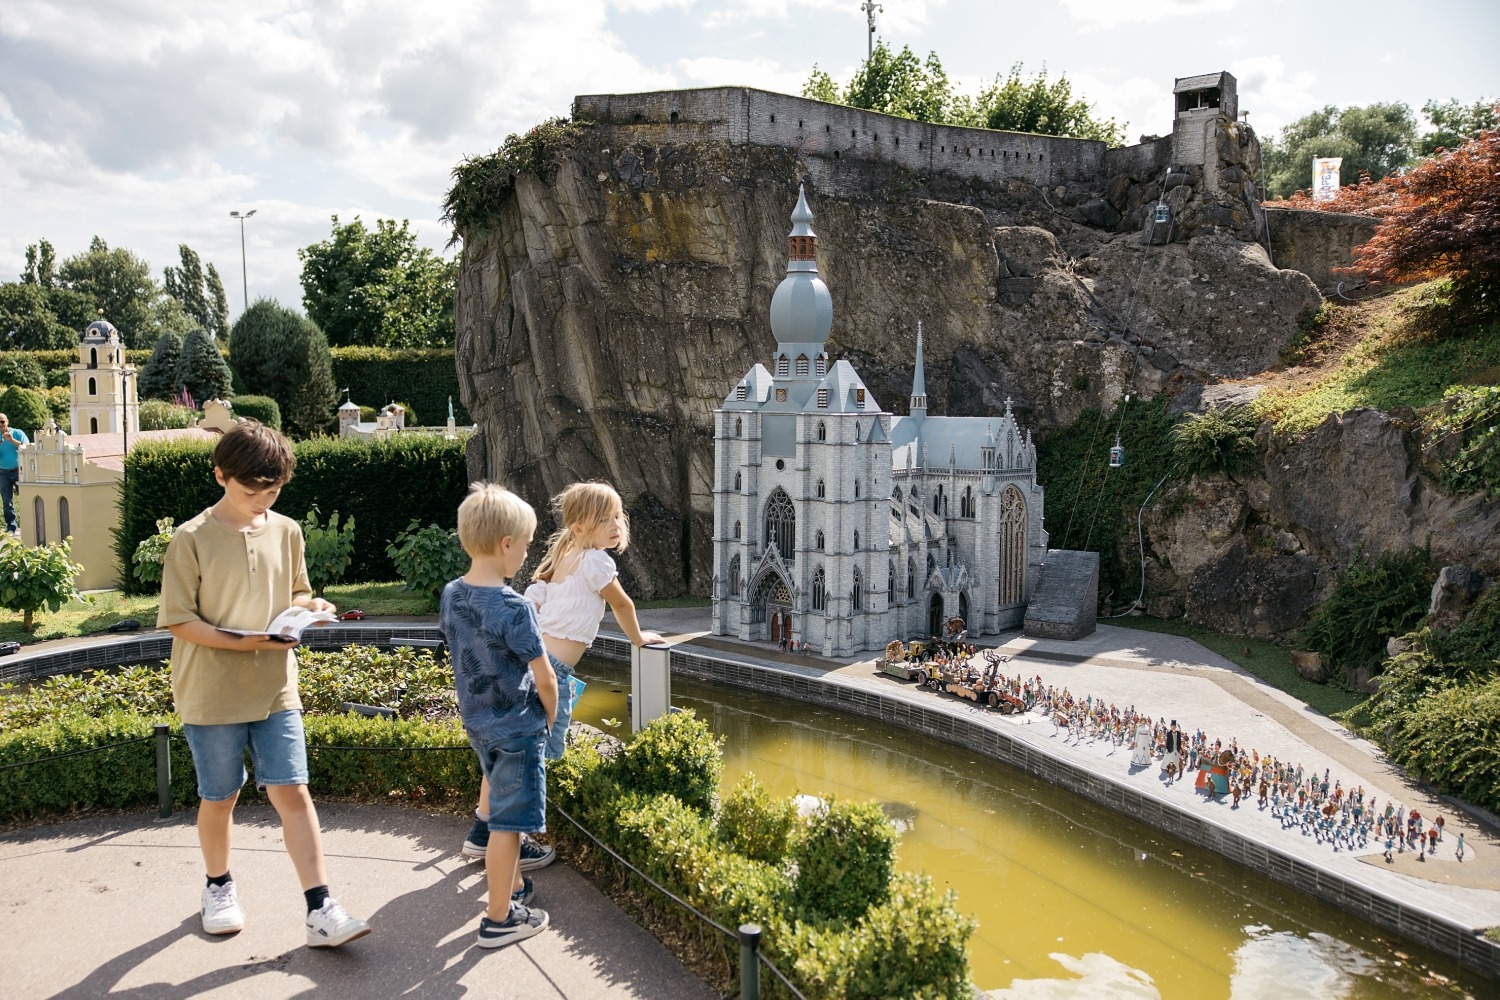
{"x":1066,"y":601}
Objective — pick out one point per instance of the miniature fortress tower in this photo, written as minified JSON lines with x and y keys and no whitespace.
{"x":832,"y":525}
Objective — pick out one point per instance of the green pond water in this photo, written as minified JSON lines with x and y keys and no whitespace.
{"x":1072,"y":900}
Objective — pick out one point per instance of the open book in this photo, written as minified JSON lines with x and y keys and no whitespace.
{"x":288,"y":625}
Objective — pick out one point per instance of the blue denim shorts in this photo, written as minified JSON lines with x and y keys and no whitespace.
{"x":518,"y":782}
{"x":557,"y":739}
{"x":278,"y":752}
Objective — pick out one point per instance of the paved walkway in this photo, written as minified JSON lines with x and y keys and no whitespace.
{"x":108,"y":905}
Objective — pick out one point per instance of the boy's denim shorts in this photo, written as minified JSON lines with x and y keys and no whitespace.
{"x":278,"y":751}
{"x":557,"y":739}
{"x":518,"y":782}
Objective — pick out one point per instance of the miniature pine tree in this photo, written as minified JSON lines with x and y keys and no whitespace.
{"x":158,"y":379}
{"x":201,"y":369}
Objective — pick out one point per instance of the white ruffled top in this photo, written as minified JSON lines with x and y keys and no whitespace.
{"x":573,"y":608}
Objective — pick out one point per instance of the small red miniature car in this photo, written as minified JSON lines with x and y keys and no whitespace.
{"x":352,"y":616}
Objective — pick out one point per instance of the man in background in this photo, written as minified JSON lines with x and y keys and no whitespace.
{"x":11,"y":438}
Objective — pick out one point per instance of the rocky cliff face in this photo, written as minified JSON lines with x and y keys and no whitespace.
{"x":1250,"y":554}
{"x":611,"y":306}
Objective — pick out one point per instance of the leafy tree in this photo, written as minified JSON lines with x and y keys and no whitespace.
{"x":158,"y":377}
{"x":151,"y":555}
{"x":427,"y":557}
{"x":21,"y":369}
{"x":119,"y":286}
{"x":1378,"y":140}
{"x":900,"y":84}
{"x":201,"y":295}
{"x":27,"y":321}
{"x":26,"y":408}
{"x":1446,"y":224}
{"x":41,"y":265}
{"x":377,"y":287}
{"x":32,"y":578}
{"x":1019,"y":105}
{"x":1454,"y":124}
{"x":201,"y":369}
{"x":275,"y":352}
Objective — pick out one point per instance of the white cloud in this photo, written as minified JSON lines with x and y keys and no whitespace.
{"x":1098,"y":14}
{"x":711,"y":71}
{"x":1273,"y":95}
{"x":899,"y":17}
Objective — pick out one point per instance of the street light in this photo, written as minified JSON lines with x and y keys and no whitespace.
{"x":244,"y":275}
{"x":870,"y":8}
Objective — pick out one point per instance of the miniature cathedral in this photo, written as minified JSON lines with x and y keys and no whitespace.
{"x":842,"y":526}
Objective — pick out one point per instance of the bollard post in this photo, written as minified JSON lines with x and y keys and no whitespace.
{"x":163,"y":772}
{"x":650,"y":684}
{"x":749,"y":962}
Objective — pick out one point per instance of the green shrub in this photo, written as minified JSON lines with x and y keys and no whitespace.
{"x":20,"y":368}
{"x":201,"y":370}
{"x":427,"y":378}
{"x":278,"y":353}
{"x":755,"y":824}
{"x":158,"y":377}
{"x":844,"y":861}
{"x":1472,"y":650}
{"x":1451,"y":737}
{"x":427,"y":558}
{"x":144,"y":689}
{"x":115,"y":778}
{"x":1470,"y":420}
{"x":676,"y":755}
{"x":159,"y":414}
{"x":1221,"y":439}
{"x":32,"y":578}
{"x":329,"y":549}
{"x":59,"y":378}
{"x":382,"y":484}
{"x":60,"y":403}
{"x":394,"y":758}
{"x":1372,"y":601}
{"x":262,"y":408}
{"x":417,"y":684}
{"x":26,"y":408}
{"x":151,"y":554}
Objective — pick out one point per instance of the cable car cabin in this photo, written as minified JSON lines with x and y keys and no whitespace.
{"x":1117,"y":456}
{"x":1163,"y":213}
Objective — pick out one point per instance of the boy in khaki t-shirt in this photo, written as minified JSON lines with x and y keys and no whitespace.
{"x":237,"y":565}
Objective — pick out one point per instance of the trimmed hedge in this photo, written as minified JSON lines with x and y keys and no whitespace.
{"x":426,"y":379}
{"x":262,"y":408}
{"x":383,"y":484}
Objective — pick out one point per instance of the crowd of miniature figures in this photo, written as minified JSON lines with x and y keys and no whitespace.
{"x":1345,"y":819}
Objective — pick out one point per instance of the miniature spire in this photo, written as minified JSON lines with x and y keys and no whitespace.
{"x":919,"y":381}
{"x":801,"y":308}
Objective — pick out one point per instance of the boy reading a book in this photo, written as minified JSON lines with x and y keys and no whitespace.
{"x":507,"y":695}
{"x":235,"y":566}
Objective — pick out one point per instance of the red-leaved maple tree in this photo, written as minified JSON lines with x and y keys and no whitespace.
{"x":1445,"y":222}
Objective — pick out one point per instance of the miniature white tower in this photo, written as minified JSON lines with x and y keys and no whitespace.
{"x":104,"y":390}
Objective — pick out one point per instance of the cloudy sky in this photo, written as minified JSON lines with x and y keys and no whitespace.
{"x":147,"y":121}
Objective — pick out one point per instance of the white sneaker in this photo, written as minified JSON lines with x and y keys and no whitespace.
{"x":221,"y":910}
{"x":329,"y":926}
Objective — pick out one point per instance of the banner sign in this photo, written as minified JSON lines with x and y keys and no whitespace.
{"x":1326,"y":177}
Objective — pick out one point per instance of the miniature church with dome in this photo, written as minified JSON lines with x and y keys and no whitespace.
{"x":842,"y":526}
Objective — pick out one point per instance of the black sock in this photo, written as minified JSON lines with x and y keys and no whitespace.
{"x":222,"y":880}
{"x":315,"y":897}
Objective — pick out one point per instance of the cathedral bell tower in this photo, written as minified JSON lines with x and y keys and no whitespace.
{"x":103,"y":385}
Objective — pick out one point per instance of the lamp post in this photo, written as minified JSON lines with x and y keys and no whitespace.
{"x":870,"y":7}
{"x":244,"y":274}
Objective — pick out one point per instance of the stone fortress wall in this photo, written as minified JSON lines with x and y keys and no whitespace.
{"x":745,"y":116}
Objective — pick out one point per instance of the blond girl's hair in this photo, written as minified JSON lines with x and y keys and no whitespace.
{"x":490,"y":513}
{"x":585,"y":505}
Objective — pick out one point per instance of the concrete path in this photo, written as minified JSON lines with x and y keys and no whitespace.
{"x":109,"y":907}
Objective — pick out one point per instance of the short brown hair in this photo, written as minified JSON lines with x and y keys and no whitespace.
{"x":255,"y":455}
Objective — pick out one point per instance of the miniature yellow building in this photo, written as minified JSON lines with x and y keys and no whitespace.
{"x":70,"y":483}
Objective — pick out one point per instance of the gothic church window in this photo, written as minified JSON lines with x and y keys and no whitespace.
{"x":822,"y":431}
{"x":856,"y":597}
{"x":39,"y":515}
{"x":781,"y":524}
{"x":739,"y":426}
{"x":819,"y":590}
{"x":890,"y":582}
{"x":911,"y":577}
{"x":738,"y":482}
{"x":818,"y":540}
{"x":822,"y":490}
{"x":931,"y":565}
{"x":736,"y":530}
{"x":856,"y":539}
{"x":64,"y":518}
{"x":734,"y":577}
